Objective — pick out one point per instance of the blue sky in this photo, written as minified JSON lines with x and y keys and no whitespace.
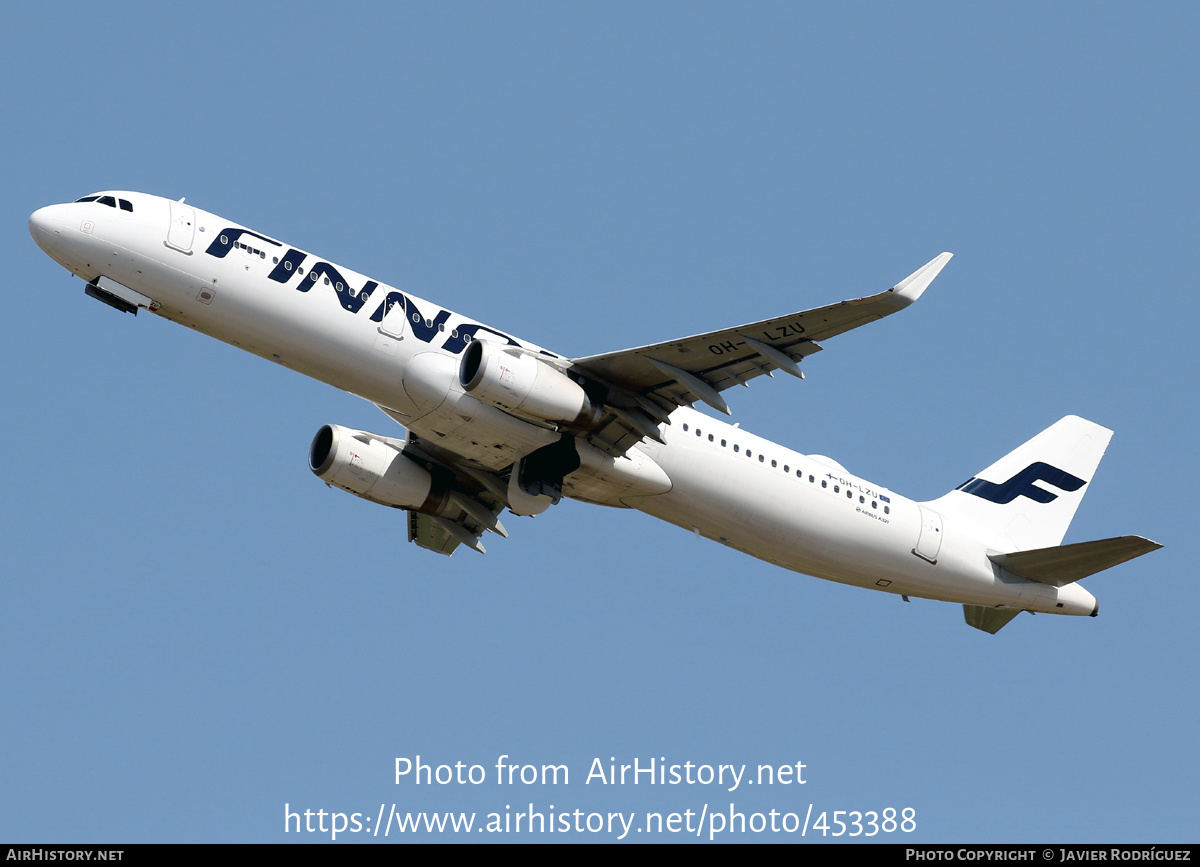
{"x":197,"y":632}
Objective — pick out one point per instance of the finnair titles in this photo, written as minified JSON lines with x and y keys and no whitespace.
{"x":494,"y":423}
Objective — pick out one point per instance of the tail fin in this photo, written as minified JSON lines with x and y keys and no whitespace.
{"x":1030,"y":495}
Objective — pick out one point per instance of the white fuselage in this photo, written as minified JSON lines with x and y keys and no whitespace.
{"x":801,"y":512}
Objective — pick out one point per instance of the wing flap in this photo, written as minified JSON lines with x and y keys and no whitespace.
{"x":464,"y":524}
{"x":475,"y":497}
{"x":425,"y":531}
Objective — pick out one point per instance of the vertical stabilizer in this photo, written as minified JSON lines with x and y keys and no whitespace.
{"x":1029,"y":496}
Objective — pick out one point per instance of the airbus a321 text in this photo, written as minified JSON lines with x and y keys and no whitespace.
{"x":493,"y":422}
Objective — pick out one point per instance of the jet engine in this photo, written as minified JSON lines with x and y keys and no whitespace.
{"x":518,"y":382}
{"x":374,"y":468}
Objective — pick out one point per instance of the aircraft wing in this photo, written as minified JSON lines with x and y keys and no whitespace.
{"x":468,"y":517}
{"x":649,"y":382}
{"x":476,"y":498}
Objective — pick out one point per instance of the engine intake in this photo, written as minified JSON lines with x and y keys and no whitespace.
{"x":374,"y":468}
{"x":520,"y":383}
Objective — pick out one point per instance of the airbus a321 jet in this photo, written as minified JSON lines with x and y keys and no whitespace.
{"x":493,"y":422}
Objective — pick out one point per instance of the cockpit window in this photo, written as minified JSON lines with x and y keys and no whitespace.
{"x":110,"y":201}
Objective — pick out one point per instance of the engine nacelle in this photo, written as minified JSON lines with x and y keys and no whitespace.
{"x":374,"y":468}
{"x":519,"y":383}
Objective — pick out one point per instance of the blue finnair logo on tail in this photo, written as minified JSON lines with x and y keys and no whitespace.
{"x":1021,"y":485}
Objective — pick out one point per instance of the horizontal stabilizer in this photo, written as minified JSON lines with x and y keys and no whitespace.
{"x":990,"y":620}
{"x":1064,"y":564}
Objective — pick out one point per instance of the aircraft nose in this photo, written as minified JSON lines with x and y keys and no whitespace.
{"x":46,"y":227}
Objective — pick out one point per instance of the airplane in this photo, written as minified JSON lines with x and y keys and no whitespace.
{"x":492,"y":422}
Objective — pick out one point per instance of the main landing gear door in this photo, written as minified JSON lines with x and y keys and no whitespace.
{"x":930,"y":540}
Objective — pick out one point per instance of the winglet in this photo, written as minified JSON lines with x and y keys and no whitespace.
{"x":910,"y":288}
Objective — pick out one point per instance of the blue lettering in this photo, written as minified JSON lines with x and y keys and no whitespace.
{"x":287,"y":266}
{"x":469,"y":332}
{"x":393,"y":297}
{"x":224,"y":242}
{"x":423,"y":328}
{"x":350,"y":302}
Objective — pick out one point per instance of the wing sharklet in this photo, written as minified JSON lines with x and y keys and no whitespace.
{"x":910,"y":288}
